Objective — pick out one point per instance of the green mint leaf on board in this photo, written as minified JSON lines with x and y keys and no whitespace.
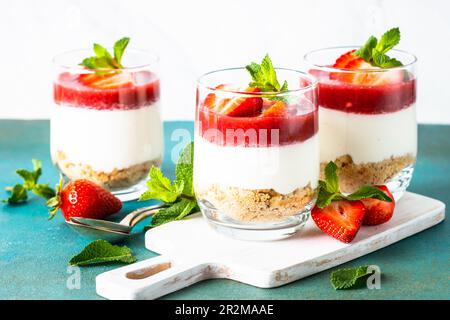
{"x":103,"y":60}
{"x":101,"y":251}
{"x":265,"y":78}
{"x":185,"y":169}
{"x":374,"y":51}
{"x":349,"y":277}
{"x":161,"y":188}
{"x":329,"y":189}
{"x":18,"y":194}
{"x":177,"y":211}
{"x":369,"y":192}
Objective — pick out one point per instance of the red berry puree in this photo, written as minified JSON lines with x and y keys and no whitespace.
{"x":291,"y":128}
{"x":366,"y":99}
{"x":69,"y":90}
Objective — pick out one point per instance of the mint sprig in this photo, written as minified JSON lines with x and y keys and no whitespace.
{"x":19,"y":192}
{"x":103,"y":60}
{"x":374,"y":51}
{"x":179,"y":194}
{"x":329,"y":189}
{"x":264,"y":77}
{"x":101,"y":251}
{"x":349,"y":277}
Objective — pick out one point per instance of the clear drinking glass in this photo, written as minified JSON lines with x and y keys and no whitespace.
{"x":367,"y":120}
{"x":256,"y":159}
{"x":107,"y":127}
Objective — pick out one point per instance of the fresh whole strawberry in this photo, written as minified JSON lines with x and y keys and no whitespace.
{"x":377,"y":211}
{"x":340,"y":219}
{"x":83,"y":198}
{"x":341,"y":215}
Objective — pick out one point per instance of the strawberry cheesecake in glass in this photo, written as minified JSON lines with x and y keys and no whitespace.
{"x":106,"y":125}
{"x":367,"y":117}
{"x":256,"y":162}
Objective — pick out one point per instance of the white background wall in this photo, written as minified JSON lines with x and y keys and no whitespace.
{"x":193,"y":37}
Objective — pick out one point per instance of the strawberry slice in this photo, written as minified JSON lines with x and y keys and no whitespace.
{"x":349,"y":61}
{"x":341,"y":219}
{"x":242,"y":106}
{"x":344,"y":59}
{"x":278,"y":109}
{"x":107,"y":81}
{"x":378,"y":211}
{"x":212,"y":102}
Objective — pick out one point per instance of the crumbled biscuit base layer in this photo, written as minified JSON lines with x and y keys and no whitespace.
{"x":352,"y":176}
{"x":116,"y":179}
{"x":255,"y":205}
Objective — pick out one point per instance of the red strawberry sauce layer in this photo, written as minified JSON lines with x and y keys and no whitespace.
{"x":364,"y":99}
{"x":221,"y":129}
{"x":69,"y":90}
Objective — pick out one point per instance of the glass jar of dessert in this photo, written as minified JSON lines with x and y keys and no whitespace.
{"x":256,"y":162}
{"x":105,"y":124}
{"x":367,"y":116}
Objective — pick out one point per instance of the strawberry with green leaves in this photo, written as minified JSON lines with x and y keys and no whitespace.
{"x":371,"y":56}
{"x":83,"y":198}
{"x":341,"y":216}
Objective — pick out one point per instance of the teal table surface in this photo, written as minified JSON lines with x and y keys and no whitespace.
{"x":34,"y":252}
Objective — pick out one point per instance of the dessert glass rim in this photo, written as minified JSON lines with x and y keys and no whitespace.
{"x":153,"y":59}
{"x":304,"y":75}
{"x":328,"y":68}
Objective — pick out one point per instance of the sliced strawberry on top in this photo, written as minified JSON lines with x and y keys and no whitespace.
{"x":278,"y":109}
{"x":349,"y":61}
{"x":344,"y":59}
{"x":214,"y":103}
{"x":243,"y":106}
{"x":341,"y":219}
{"x":378,"y":211}
{"x":107,"y":81}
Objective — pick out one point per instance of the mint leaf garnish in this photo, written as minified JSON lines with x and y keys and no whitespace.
{"x":161,"y":188}
{"x":329,"y":189}
{"x":369,"y":192}
{"x":179,"y":193}
{"x":264,"y":77}
{"x":119,"y":48}
{"x":184,"y":169}
{"x":19,"y":193}
{"x":348,"y":277}
{"x":177,"y":211}
{"x":101,"y":251}
{"x":374,"y":51}
{"x":103,"y":60}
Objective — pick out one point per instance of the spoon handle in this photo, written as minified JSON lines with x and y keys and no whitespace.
{"x":137,"y":215}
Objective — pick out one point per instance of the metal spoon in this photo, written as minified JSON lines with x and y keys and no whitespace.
{"x":112,"y":231}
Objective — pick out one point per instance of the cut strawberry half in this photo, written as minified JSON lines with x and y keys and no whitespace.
{"x":239,"y":106}
{"x":348,"y":61}
{"x":378,"y":211}
{"x":278,"y":109}
{"x":344,"y":59}
{"x":341,"y":219}
{"x":107,"y":81}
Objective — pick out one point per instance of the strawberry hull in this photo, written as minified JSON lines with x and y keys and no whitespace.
{"x":69,"y":90}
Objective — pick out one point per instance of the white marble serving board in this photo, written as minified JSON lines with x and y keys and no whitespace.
{"x":192,"y":251}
